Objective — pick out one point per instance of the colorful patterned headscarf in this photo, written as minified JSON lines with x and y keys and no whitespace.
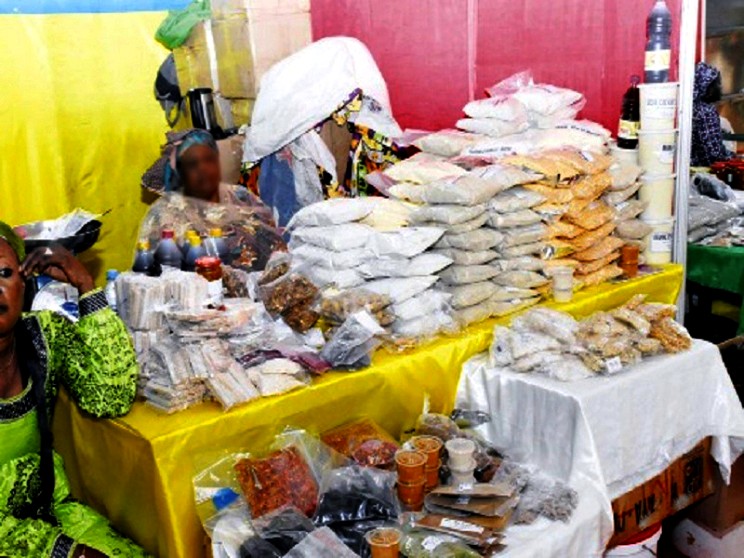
{"x":195,"y":137}
{"x":11,"y":237}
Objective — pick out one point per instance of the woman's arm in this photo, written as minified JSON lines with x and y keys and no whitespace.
{"x":94,"y":358}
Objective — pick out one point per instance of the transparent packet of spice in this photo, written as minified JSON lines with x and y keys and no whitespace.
{"x":287,"y":474}
{"x":287,"y":292}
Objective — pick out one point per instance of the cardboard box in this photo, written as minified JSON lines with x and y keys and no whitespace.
{"x":686,"y":481}
{"x":192,"y":60}
{"x":723,"y":509}
{"x":231,"y":156}
{"x":226,"y":8}
{"x":247,"y":44}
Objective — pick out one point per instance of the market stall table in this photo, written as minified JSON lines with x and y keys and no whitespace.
{"x":138,"y":470}
{"x":717,"y":267}
{"x":616,"y":432}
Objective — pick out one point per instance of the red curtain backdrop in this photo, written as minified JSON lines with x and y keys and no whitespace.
{"x":422,"y":48}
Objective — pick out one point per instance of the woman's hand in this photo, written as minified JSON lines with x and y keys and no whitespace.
{"x":82,"y":551}
{"x":59,"y":264}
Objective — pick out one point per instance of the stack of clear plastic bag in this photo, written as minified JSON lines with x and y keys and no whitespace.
{"x":353,"y":342}
{"x":365,"y":442}
{"x":354,"y":500}
{"x":248,"y":230}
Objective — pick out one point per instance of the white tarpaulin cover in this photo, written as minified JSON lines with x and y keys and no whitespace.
{"x":306,"y":88}
{"x":607,"y":434}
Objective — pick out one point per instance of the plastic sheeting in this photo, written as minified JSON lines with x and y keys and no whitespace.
{"x":609,"y":434}
{"x":425,"y":48}
{"x":80,"y":124}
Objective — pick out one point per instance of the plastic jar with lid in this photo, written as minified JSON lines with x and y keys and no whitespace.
{"x":211,"y":269}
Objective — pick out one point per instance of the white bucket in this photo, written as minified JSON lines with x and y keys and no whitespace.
{"x":646,"y":548}
{"x":629,"y":156}
{"x":657,"y":150}
{"x":658,"y":191}
{"x":660,"y":242}
{"x":658,"y":105}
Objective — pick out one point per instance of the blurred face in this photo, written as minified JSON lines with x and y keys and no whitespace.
{"x":11,"y":289}
{"x":199,"y":168}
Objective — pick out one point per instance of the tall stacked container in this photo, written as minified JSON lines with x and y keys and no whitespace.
{"x":657,"y":138}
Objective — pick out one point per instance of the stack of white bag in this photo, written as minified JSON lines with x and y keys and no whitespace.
{"x":365,"y":243}
{"x":518,"y":103}
{"x":623,"y":196}
{"x":456,"y":200}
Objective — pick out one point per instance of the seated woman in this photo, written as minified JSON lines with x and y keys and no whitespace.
{"x":196,"y":199}
{"x":95,"y":362}
{"x":707,"y":135}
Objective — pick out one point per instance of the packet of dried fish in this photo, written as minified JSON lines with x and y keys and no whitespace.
{"x":231,"y":388}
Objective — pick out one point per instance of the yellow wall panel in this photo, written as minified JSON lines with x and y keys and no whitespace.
{"x":79,"y":123}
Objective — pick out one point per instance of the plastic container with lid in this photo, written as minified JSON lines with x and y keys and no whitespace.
{"x":460,"y":451}
{"x":629,"y":260}
{"x":384,"y":542}
{"x":658,"y":105}
{"x":657,"y":151}
{"x":144,"y":258}
{"x":215,"y":244}
{"x":563,"y":283}
{"x":168,"y":254}
{"x":629,"y":156}
{"x":658,"y":191}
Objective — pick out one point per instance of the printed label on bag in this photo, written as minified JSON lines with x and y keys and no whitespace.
{"x":661,"y":242}
{"x":628,"y":129}
{"x":666,"y":153}
{"x":462,"y":526}
{"x":658,"y":60}
{"x":657,"y":109}
{"x":430,"y":544}
{"x":613,"y":365}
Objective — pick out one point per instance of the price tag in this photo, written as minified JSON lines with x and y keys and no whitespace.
{"x":462,"y":526}
{"x":613,"y":365}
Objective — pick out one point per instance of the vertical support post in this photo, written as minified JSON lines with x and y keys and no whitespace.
{"x":687,"y":50}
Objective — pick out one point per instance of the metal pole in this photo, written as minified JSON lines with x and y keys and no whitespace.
{"x":687,"y":50}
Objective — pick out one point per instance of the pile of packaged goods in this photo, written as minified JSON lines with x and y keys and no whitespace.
{"x":552,"y":343}
{"x":356,"y":490}
{"x":715,"y":213}
{"x":365,"y":248}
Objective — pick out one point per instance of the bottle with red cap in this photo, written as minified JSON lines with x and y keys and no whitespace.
{"x":168,"y":254}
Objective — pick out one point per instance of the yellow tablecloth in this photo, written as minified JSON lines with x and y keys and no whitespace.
{"x":138,"y":470}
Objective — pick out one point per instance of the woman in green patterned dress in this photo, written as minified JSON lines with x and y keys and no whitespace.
{"x":95,"y":362}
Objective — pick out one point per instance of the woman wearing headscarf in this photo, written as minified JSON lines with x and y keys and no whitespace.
{"x":94,"y":360}
{"x":193,"y":197}
{"x":707,"y":136}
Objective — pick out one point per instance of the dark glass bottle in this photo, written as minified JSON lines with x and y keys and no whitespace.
{"x":630,"y":118}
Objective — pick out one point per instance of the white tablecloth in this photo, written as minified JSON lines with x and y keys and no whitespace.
{"x":607,"y":435}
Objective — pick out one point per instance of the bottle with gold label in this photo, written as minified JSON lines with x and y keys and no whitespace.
{"x":630,"y":117}
{"x":659,"y":43}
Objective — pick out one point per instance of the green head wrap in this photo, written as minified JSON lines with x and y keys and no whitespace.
{"x":11,"y":237}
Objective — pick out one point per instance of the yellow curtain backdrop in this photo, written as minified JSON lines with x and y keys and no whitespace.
{"x":79,"y":121}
